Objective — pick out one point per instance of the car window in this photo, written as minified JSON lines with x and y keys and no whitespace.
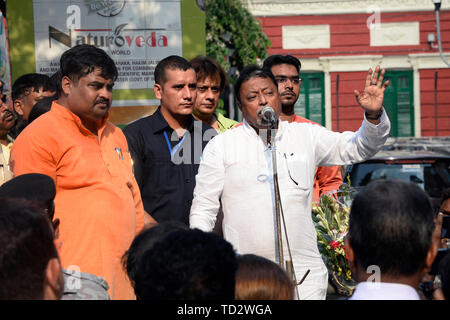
{"x":432,"y":177}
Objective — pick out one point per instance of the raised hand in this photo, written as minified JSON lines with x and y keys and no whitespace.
{"x":371,"y":99}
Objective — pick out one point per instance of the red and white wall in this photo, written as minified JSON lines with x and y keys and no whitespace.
{"x":347,"y":37}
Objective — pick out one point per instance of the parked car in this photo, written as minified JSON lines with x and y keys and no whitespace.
{"x":424,"y":161}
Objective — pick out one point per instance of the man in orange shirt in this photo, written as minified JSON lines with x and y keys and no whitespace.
{"x":97,"y":198}
{"x":286,"y":70}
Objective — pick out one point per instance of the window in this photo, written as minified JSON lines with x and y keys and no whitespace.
{"x":311,"y":103}
{"x":399,"y":104}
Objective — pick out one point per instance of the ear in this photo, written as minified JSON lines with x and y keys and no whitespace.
{"x":158,"y":91}
{"x":435,"y":243}
{"x":431,"y":255}
{"x":53,"y":281}
{"x":239,"y":105}
{"x":18,"y":107}
{"x":55,"y":224}
{"x":66,"y":85}
{"x":350,"y":254}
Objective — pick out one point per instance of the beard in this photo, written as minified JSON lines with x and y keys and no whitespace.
{"x":288,"y":107}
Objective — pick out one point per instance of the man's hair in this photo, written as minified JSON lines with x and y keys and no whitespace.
{"x":249,"y":72}
{"x":258,"y":278}
{"x":29,"y":82}
{"x":143,"y":242}
{"x":34,"y":187}
{"x":187,"y":265}
{"x":277,"y":59}
{"x":41,"y":107}
{"x":83,"y":59}
{"x":171,"y":63}
{"x":391,"y":225}
{"x":26,"y":247}
{"x":56,"y":79}
{"x":207,"y":67}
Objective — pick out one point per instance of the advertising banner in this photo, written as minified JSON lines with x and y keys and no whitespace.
{"x":136,"y":34}
{"x":5,"y":70}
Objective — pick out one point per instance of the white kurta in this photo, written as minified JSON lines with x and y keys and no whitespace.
{"x":236,"y":170}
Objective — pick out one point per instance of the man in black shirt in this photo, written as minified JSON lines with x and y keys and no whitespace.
{"x":166,"y":147}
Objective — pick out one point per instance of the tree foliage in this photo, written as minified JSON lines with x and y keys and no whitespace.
{"x":247,"y":44}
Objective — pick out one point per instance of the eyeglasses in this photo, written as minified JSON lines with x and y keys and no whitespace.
{"x":283,"y":79}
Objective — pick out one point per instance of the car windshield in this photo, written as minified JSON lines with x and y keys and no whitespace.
{"x":432,"y":176}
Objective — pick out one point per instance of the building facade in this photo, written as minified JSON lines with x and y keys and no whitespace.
{"x":338,"y":41}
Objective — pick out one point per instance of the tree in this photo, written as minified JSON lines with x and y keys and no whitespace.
{"x":233,"y":36}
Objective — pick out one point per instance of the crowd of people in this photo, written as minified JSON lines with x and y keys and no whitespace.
{"x":184,"y":204}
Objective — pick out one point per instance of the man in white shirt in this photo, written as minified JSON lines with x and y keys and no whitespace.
{"x":6,"y":123}
{"x":392,"y":240}
{"x":236,"y":171}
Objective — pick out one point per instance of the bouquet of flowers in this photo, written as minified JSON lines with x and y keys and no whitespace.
{"x":330,"y":218}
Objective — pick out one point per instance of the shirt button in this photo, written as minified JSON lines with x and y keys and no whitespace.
{"x":188,"y":180}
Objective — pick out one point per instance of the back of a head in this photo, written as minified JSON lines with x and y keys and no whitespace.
{"x":206,"y":67}
{"x":41,"y":107}
{"x":31,"y":82}
{"x":188,"y":265}
{"x":56,"y":79}
{"x":250,"y":72}
{"x":26,"y":247}
{"x":277,"y":59}
{"x":143,"y":242}
{"x":170,"y":63}
{"x":34,"y":187}
{"x":258,"y":278}
{"x":391,"y":225}
{"x":83,"y":59}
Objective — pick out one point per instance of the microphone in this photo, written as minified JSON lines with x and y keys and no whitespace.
{"x":268,"y":115}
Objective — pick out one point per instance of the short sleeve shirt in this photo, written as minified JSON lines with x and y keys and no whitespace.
{"x":165,"y":165}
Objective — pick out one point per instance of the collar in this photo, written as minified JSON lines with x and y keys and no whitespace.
{"x":87,"y":278}
{"x":297,"y":118}
{"x":9,"y":145}
{"x":223,"y":122}
{"x":69,"y":115}
{"x":282,"y":125}
{"x":160,"y":124}
{"x":10,"y":140}
{"x":384,"y":291}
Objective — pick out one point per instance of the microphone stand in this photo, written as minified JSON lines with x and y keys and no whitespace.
{"x":277,"y":196}
{"x":288,"y":267}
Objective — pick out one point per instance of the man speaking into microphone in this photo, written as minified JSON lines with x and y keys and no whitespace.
{"x":237,"y":172}
{"x":268,"y":115}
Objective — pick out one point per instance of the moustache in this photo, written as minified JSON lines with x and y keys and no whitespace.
{"x":6,"y":114}
{"x":288,"y":93}
{"x":103,"y":101}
